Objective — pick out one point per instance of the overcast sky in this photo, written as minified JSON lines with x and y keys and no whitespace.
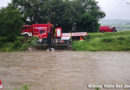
{"x":114,"y":9}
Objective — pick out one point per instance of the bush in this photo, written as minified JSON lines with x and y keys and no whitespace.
{"x":34,"y":41}
{"x":1,"y":44}
{"x":17,"y":44}
{"x":24,"y":46}
{"x":11,"y":38}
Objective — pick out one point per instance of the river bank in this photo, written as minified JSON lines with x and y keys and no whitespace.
{"x":110,"y":41}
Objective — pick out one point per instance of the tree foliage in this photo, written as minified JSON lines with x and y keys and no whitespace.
{"x":10,"y":22}
{"x":71,"y":15}
{"x":76,"y":15}
{"x":88,"y":15}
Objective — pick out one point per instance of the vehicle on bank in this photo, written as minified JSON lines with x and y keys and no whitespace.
{"x":107,"y":29}
{"x":49,"y":35}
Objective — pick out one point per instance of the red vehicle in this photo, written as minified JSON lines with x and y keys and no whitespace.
{"x":107,"y":29}
{"x":34,"y":30}
{"x":47,"y":35}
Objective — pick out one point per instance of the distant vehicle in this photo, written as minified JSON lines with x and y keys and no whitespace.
{"x":107,"y":29}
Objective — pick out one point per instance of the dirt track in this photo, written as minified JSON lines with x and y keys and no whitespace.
{"x":64,"y":70}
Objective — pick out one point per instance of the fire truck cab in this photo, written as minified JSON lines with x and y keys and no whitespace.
{"x":26,"y":30}
{"x":35,"y":30}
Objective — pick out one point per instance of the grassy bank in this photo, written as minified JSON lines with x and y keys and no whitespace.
{"x":119,"y":41}
{"x":112,"y":41}
{"x":20,"y":44}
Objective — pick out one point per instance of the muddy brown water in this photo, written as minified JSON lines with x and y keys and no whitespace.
{"x":64,"y":70}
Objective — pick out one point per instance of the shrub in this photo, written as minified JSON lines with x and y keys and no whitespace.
{"x":1,"y":44}
{"x":17,"y":44}
{"x":25,"y":46}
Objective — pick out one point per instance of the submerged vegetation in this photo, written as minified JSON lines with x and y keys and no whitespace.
{"x":119,"y":41}
{"x":25,"y":87}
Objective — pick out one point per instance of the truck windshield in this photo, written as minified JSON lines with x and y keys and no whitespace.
{"x":24,"y":28}
{"x":110,"y":27}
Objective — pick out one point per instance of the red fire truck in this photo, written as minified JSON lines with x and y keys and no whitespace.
{"x":48,"y":35}
{"x":34,"y":29}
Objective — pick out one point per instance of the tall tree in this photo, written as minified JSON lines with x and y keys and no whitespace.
{"x":61,"y":14}
{"x":87,"y":14}
{"x":79,"y":15}
{"x":10,"y":22}
{"x":31,"y":9}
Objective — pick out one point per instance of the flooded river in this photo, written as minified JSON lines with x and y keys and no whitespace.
{"x":64,"y":70}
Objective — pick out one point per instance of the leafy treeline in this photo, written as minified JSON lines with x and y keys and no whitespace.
{"x":71,"y":15}
{"x":10,"y":22}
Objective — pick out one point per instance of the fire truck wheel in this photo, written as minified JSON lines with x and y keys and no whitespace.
{"x":115,"y":30}
{"x":26,"y":35}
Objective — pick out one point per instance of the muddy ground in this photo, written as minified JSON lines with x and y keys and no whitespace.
{"x":64,"y":70}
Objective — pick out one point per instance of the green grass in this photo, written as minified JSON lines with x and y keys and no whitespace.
{"x":111,"y":41}
{"x":17,"y":45}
